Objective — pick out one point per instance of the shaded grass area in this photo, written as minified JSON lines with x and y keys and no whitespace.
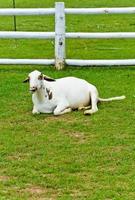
{"x":71,"y":156}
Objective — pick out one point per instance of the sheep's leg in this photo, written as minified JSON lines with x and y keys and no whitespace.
{"x":67,"y":110}
{"x":62,"y":109}
{"x":35,"y":111}
{"x":84,"y":107}
{"x":58,"y":112}
{"x":94,"y":108}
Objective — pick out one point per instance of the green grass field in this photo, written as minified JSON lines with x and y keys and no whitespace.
{"x":70,"y":157}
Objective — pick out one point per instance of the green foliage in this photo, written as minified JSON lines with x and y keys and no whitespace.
{"x":71,"y":156}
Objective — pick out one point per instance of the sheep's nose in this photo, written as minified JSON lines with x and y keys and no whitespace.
{"x":33,"y":89}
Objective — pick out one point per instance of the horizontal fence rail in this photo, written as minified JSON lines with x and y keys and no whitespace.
{"x":7,"y":61}
{"x":27,"y":11}
{"x":27,"y":35}
{"x":51,"y":11}
{"x":51,"y":35}
{"x":72,"y":62}
{"x":124,"y":10}
{"x":101,"y":35}
{"x":108,"y":62}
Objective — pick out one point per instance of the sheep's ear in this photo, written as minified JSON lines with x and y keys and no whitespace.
{"x":26,"y":80}
{"x":47,"y":78}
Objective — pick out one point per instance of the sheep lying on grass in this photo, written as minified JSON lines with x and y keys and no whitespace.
{"x":59,"y":96}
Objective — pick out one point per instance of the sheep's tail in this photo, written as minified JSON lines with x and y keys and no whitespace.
{"x":112,"y":99}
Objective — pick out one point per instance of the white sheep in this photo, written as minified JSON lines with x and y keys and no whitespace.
{"x":63,"y":95}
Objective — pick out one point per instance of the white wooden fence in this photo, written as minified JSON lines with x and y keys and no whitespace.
{"x":60,"y":35}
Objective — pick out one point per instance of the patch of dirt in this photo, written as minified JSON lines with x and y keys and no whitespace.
{"x":18,"y":156}
{"x":78,"y":194}
{"x":40,"y":193}
{"x":78,"y":136}
{"x":34,"y":190}
{"x":4,"y":178}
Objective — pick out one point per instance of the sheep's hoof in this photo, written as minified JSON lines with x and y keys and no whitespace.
{"x":90,"y":112}
{"x":87,"y":112}
{"x":34,"y":112}
{"x":81,"y":108}
{"x":84,"y":108}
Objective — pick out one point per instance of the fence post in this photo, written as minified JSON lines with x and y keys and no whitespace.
{"x":59,"y":35}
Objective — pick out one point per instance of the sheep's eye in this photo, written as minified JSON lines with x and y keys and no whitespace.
{"x":40,"y":77}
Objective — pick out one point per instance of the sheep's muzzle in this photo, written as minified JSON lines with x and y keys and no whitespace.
{"x":34,"y":89}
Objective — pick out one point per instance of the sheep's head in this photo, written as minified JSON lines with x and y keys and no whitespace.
{"x":35,"y":80}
